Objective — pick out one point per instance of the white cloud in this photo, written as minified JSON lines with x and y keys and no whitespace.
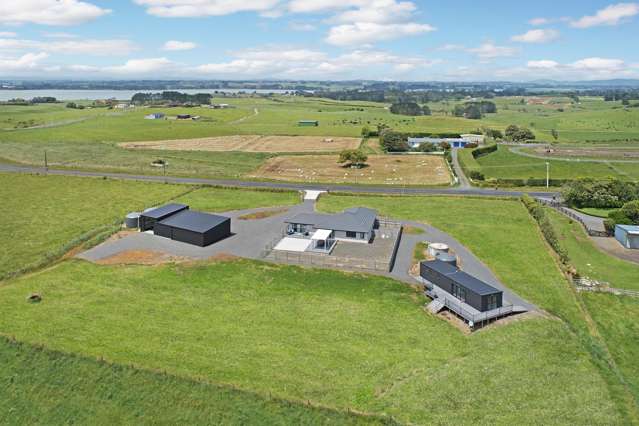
{"x":8,"y":34}
{"x":303,"y":63}
{"x":85,"y":47}
{"x":26,"y":62}
{"x":543,"y":64}
{"x":379,"y":11}
{"x":537,"y":36}
{"x":198,"y":8}
{"x":301,"y":26}
{"x":611,"y":15}
{"x":143,"y":66}
{"x":49,"y":12}
{"x":489,"y":50}
{"x":314,"y":6}
{"x":362,"y":33}
{"x":599,"y":64}
{"x":539,"y":21}
{"x":451,"y":47}
{"x":179,"y":45}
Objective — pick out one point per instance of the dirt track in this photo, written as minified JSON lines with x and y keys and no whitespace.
{"x":251,"y":143}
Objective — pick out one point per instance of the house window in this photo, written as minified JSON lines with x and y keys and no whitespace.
{"x":350,"y":234}
{"x":362,"y":235}
{"x":459,"y":292}
{"x":492,"y":302}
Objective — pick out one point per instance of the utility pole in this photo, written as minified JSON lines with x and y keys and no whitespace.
{"x":547,"y":175}
{"x":46,"y":164}
{"x":164,"y":170}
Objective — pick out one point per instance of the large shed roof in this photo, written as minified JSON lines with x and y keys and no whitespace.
{"x":165,"y":210}
{"x":190,"y":220}
{"x":630,"y":229}
{"x":358,"y":219}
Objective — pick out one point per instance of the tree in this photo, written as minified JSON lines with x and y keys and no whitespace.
{"x":393,"y":141}
{"x":518,"y":134}
{"x":458,"y":111}
{"x":472,"y":112}
{"x":425,"y":147}
{"x":406,"y":108}
{"x":445,"y":146}
{"x":354,"y":157}
{"x":493,"y":133}
{"x":555,"y":134}
{"x":366,"y":131}
{"x":426,"y":110}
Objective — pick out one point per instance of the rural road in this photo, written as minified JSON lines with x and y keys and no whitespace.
{"x":464,"y":183}
{"x":10,"y":168}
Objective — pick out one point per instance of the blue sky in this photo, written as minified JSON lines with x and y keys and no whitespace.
{"x":319,"y":39}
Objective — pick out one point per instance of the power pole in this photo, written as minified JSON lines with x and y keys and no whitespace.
{"x":46,"y":163}
{"x":164,"y":170}
{"x":547,"y":175}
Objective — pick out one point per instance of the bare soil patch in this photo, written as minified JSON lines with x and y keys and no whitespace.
{"x":140,"y":257}
{"x":251,"y":143}
{"x":381,"y":169}
{"x":262,"y":214}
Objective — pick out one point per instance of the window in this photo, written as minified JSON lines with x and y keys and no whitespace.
{"x":362,"y":235}
{"x":492,"y":302}
{"x":350,"y":234}
{"x":459,"y":292}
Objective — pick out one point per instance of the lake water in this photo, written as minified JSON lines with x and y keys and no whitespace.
{"x":70,"y":95}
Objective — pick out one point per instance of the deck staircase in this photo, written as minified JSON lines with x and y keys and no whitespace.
{"x":435,"y":306}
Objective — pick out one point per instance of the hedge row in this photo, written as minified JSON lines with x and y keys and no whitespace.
{"x":539,"y":214}
{"x":484,"y":150}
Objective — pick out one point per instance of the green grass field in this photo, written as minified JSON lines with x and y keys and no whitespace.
{"x":340,"y":340}
{"x":88,"y":138}
{"x":39,"y":386}
{"x":504,"y":164}
{"x":51,"y":214}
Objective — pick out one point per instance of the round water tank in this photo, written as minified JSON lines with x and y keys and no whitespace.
{"x":435,"y":249}
{"x":132,"y":220}
{"x":448,"y":258}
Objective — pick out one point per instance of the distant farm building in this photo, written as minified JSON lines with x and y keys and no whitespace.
{"x":184,"y":116}
{"x":460,"y":142}
{"x":628,"y":236}
{"x":308,"y":123}
{"x":154,"y":116}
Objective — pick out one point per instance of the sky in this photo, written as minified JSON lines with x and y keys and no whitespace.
{"x":462,"y":40}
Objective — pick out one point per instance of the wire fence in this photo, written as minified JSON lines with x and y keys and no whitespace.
{"x":567,"y":212}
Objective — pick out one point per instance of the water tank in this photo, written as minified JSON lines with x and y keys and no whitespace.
{"x":448,"y":258}
{"x":132,"y":220}
{"x":435,"y":249}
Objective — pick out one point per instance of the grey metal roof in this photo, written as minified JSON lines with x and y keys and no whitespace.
{"x":472,"y":283}
{"x":441,"y":267}
{"x":358,"y":219}
{"x":163,"y":211}
{"x":460,"y":277}
{"x":194,"y":221}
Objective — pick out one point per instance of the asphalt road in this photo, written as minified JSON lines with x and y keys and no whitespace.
{"x":277,"y":185}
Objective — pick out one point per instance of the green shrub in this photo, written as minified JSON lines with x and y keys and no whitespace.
{"x":539,"y":214}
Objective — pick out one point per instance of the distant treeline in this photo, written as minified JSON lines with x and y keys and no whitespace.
{"x":36,"y":100}
{"x":171,"y":97}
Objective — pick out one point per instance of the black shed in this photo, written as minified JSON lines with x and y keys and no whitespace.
{"x":200,"y":229}
{"x":461,"y":285}
{"x":149,"y":218}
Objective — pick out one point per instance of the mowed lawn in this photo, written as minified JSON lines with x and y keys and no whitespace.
{"x":43,"y":215}
{"x":504,"y":164}
{"x":47,"y":215}
{"x":499,"y":231}
{"x":336,"y":339}
{"x":221,"y":199}
{"x":40,"y":386}
{"x":588,"y":259}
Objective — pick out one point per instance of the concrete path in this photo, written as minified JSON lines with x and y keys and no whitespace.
{"x":464,"y":183}
{"x":592,"y":222}
{"x":11,"y":168}
{"x":468,"y":262}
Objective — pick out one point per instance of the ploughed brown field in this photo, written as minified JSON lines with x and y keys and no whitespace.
{"x":251,"y":143}
{"x":380,"y":169}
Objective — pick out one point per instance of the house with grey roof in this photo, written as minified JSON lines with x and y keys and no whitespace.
{"x":353,"y":225}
